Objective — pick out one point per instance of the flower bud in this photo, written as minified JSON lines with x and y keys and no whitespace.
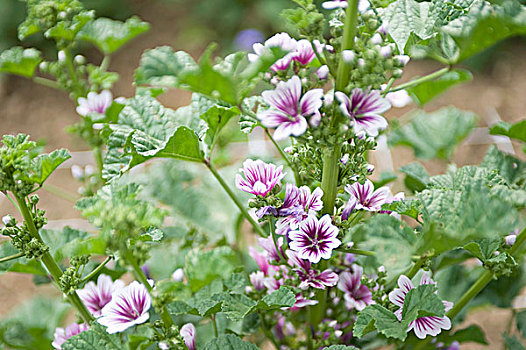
{"x":402,"y":59}
{"x":348,"y":56}
{"x":381,"y":269}
{"x":370,"y":168}
{"x":61,"y":56}
{"x":274,"y":81}
{"x":323,"y":72}
{"x":510,"y":239}
{"x":386,"y":51}
{"x":62,"y":14}
{"x":338,"y":333}
{"x":43,"y":66}
{"x":89,"y":170}
{"x":178,"y":275}
{"x":376,"y":39}
{"x":361,"y":62}
{"x":77,"y":172}
{"x":79,"y":59}
{"x":7,"y":219}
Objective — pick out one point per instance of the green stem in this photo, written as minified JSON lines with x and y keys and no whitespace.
{"x":236,"y":201}
{"x":214,"y":322}
{"x":139,"y":274}
{"x":105,"y":63}
{"x":360,"y":252}
{"x":350,"y":25}
{"x":329,"y":180}
{"x":388,"y":87}
{"x":59,"y":192}
{"x":96,"y":270}
{"x":285,"y":157}
{"x":418,"y":81}
{"x":47,"y":82}
{"x":12,"y":257}
{"x":266,"y":330}
{"x":99,"y":159}
{"x":49,"y":261}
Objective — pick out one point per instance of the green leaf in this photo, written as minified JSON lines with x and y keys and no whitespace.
{"x":216,"y":118}
{"x":162,"y":66}
{"x":283,"y":297}
{"x":45,"y":164}
{"x":483,"y":249}
{"x":426,"y":91}
{"x":485,"y":24}
{"x":471,"y":333}
{"x":417,"y":177}
{"x":462,"y":206}
{"x":237,"y":306}
{"x":436,"y":134}
{"x":340,"y":347}
{"x":386,"y":177}
{"x":20,"y":61}
{"x":393,"y":241}
{"x":146,"y":129}
{"x":515,"y":131}
{"x":378,"y":317}
{"x":95,"y":338}
{"x":512,"y":343}
{"x":422,"y":301}
{"x":512,"y":169}
{"x":229,"y":342}
{"x":109,"y":35}
{"x":408,"y":207}
{"x":61,"y":242}
{"x":68,"y":30}
{"x":201,"y":268}
{"x":406,"y":17}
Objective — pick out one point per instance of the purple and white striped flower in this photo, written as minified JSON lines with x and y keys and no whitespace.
{"x":260,"y":178}
{"x":310,"y":277}
{"x":289,"y":109}
{"x":188,"y":333}
{"x":365,"y":197}
{"x":127,"y":308}
{"x":423,"y":326}
{"x":304,"y":54}
{"x":357,"y":296}
{"x":301,"y":302}
{"x":299,"y":203}
{"x":315,"y":239}
{"x":268,"y":245}
{"x":281,"y":40}
{"x":62,"y":335}
{"x":94,"y":103}
{"x":96,"y":296}
{"x":364,"y":108}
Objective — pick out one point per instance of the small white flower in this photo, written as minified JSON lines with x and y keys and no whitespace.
{"x":77,"y":172}
{"x":402,"y":59}
{"x":178,"y":275}
{"x":6,"y":219}
{"x":61,"y":56}
{"x":376,"y":39}
{"x":79,"y":59}
{"x":348,"y":56}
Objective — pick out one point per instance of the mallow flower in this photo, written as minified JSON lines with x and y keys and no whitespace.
{"x":96,"y":296}
{"x":94,"y":103}
{"x":364,"y":108}
{"x":260,"y":177}
{"x":127,"y":308}
{"x":315,"y":239}
{"x":357,"y":296}
{"x":188,"y":333}
{"x":298,"y":204}
{"x":423,"y":326}
{"x":62,"y":335}
{"x":308,"y":276}
{"x":289,"y":109}
{"x":280,"y":40}
{"x":365,"y":197}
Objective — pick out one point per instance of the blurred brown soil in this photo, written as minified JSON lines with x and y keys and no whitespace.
{"x":44,"y":113}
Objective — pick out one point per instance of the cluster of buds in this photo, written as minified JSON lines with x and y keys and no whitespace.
{"x":21,"y":239}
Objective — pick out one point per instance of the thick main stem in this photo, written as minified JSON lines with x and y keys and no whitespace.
{"x":49,"y":261}
{"x":236,"y":201}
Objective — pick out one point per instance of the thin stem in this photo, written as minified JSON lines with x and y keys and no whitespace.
{"x":420,"y":80}
{"x":99,"y":159}
{"x":236,"y":201}
{"x":284,"y":156}
{"x":47,"y":82}
{"x":139,"y":274}
{"x":360,"y":252}
{"x":274,"y":238}
{"x":12,"y":257}
{"x":59,"y":192}
{"x":266,"y":330}
{"x":214,"y":322}
{"x":105,"y":63}
{"x":49,"y":261}
{"x":388,"y":87}
{"x":96,"y":270}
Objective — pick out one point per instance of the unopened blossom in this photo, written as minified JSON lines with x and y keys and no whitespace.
{"x":323,"y":72}
{"x":299,"y":203}
{"x":62,"y":335}
{"x":423,"y":326}
{"x":308,"y":276}
{"x":402,"y":59}
{"x":399,"y":99}
{"x":260,"y":177}
{"x":94,"y":103}
{"x":357,"y":296}
{"x":364,"y":108}
{"x":315,"y":239}
{"x":510,"y":239}
{"x":178,"y":275}
{"x":188,"y":333}
{"x":96,"y":296}
{"x":258,"y":280}
{"x":365,"y":197}
{"x":290,"y":109}
{"x":348,"y":56}
{"x":335,"y":4}
{"x":127,"y":308}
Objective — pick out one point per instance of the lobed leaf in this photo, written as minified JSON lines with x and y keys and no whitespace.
{"x":426,"y":91}
{"x":377,"y":317}
{"x":95,"y":338}
{"x":20,"y":61}
{"x":229,"y":342}
{"x":515,"y":131}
